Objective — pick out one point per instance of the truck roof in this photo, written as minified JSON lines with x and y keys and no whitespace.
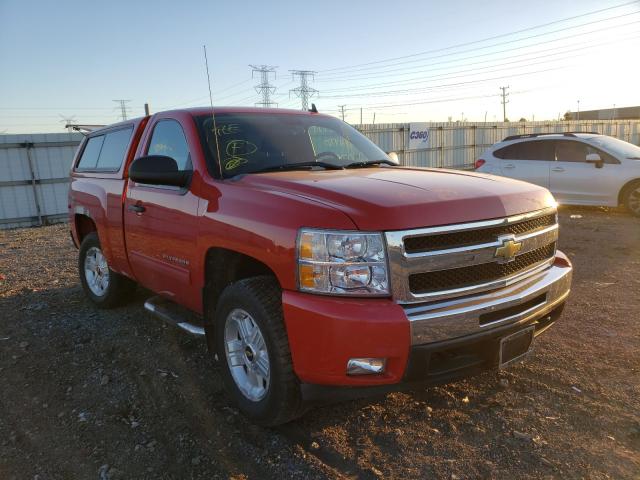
{"x":207,"y":111}
{"x":262,"y":110}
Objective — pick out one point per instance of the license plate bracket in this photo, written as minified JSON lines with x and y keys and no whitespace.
{"x":515,"y":347}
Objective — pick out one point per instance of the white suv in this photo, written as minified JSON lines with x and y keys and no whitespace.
{"x":578,"y":168}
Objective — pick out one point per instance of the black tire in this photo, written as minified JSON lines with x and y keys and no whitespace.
{"x":631,"y":198}
{"x":119,"y":288}
{"x":260,"y":297}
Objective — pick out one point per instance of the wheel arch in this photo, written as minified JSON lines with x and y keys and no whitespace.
{"x":623,"y":191}
{"x":83,"y":225}
{"x":223,"y":267}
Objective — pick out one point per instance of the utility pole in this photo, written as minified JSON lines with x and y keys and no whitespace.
{"x":578,"y":119}
{"x":374,"y":118}
{"x":342,"y":111}
{"x":304,"y":91}
{"x":146,"y":109}
{"x":360,"y":115}
{"x":264,"y":88}
{"x":123,"y":108}
{"x":504,"y":102}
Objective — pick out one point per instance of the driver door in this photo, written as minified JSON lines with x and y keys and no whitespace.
{"x":160,"y":221}
{"x":573,"y":180}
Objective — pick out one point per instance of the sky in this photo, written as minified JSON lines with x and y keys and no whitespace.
{"x":398,"y":61}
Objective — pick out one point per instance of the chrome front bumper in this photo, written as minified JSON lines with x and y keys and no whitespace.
{"x":522,"y":302}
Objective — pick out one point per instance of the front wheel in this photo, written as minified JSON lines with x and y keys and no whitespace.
{"x":632,"y":199}
{"x":252,"y":345}
{"x":102,"y":285}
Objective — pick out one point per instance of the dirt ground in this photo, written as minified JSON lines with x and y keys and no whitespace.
{"x":115,"y":394}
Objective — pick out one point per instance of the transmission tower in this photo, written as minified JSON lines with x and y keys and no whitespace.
{"x":504,"y":102}
{"x":304,"y":91}
{"x":123,"y":107}
{"x":67,"y":121}
{"x":265,"y":89}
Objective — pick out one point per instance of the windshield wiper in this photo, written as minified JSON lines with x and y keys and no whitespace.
{"x":370,"y":162}
{"x":296,"y":166}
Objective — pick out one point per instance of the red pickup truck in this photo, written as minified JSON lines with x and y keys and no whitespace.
{"x":306,"y":256}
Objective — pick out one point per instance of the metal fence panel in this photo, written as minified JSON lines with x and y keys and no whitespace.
{"x":27,"y":200}
{"x":34,"y":177}
{"x":459,"y":144}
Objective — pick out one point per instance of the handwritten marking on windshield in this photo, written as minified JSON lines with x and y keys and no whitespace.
{"x":234,"y":162}
{"x":228,"y":129}
{"x":238,"y":150}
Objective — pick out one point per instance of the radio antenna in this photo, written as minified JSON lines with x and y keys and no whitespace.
{"x":213,"y":115}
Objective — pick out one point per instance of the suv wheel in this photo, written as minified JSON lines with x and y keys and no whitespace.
{"x":252,"y":345}
{"x":632,"y":199}
{"x":102,"y":285}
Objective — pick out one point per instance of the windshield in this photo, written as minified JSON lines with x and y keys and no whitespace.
{"x":254,"y":142}
{"x":617,"y":147}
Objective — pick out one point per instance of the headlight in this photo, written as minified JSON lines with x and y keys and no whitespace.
{"x":342,"y":263}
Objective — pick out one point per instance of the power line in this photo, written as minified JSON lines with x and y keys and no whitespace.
{"x":426,"y":102}
{"x":409,"y":70}
{"x":376,"y":88}
{"x":516,"y":48}
{"x":264,"y":88}
{"x":443,"y":76}
{"x":449,"y":84}
{"x":304,"y":91}
{"x":350,"y":67}
{"x":198,"y":99}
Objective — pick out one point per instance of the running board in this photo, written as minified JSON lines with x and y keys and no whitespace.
{"x":169,"y":312}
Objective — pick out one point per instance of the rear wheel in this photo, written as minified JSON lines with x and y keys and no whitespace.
{"x":253,"y":347}
{"x":102,"y":285}
{"x":632,"y":199}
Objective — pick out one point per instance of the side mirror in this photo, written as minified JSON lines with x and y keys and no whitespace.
{"x":393,"y":156}
{"x":158,"y":170}
{"x":595,"y":159}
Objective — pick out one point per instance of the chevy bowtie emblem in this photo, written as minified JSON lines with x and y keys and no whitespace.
{"x":509,"y":248}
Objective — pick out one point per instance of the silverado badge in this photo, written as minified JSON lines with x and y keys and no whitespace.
{"x":509,"y":248}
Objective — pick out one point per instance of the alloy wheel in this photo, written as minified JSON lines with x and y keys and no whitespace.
{"x":247,"y":354}
{"x":96,"y":271}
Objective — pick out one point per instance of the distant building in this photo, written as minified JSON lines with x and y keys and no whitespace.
{"x":623,"y":113}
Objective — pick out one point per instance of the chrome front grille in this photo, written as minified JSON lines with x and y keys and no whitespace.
{"x":425,"y":243}
{"x":477,"y":274}
{"x":450,"y":261}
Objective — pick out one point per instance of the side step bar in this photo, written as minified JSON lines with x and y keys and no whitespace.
{"x":170,"y":313}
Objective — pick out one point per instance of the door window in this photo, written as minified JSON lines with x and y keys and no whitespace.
{"x":536,"y":150}
{"x":568,"y":151}
{"x":105,"y":153}
{"x":114,"y":149}
{"x":89,"y":159}
{"x":168,"y":139}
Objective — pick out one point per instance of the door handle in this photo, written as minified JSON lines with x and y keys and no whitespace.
{"x":136,"y":208}
{"x":557,"y":169}
{"x":509,"y":165}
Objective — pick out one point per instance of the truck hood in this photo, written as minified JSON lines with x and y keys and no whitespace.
{"x":381,"y":198}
